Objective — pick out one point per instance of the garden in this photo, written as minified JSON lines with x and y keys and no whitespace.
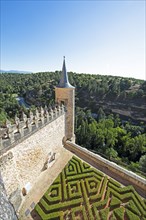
{"x":81,"y":192}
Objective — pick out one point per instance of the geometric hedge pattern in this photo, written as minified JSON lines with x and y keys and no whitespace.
{"x":81,"y":192}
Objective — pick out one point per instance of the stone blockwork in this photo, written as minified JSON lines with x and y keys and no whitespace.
{"x":24,"y":162}
{"x":7,"y":211}
{"x":66,"y":95}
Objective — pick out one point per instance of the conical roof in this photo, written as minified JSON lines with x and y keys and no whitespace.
{"x":64,"y":83}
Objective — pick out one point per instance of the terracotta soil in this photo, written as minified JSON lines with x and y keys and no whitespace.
{"x":44,"y":180}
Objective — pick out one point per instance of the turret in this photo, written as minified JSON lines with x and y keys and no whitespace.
{"x":65,"y":94}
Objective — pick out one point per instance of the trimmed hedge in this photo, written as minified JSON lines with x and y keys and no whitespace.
{"x":131,"y":215}
{"x":114,"y":202}
{"x":64,"y":185}
{"x":114,"y":182}
{"x":119,"y":213}
{"x":99,"y":196}
{"x":91,"y":217}
{"x":101,"y":204}
{"x":132,"y":207}
{"x":72,"y":192}
{"x":44,"y":216}
{"x":104,"y":213}
{"x":50,"y":196}
{"x":80,"y":190}
{"x":92,"y":185}
{"x":79,"y":209}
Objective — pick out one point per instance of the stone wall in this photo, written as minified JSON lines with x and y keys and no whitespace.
{"x":122,"y":175}
{"x":13,"y":134}
{"x":7,"y":211}
{"x":24,"y":162}
{"x":67,"y":96}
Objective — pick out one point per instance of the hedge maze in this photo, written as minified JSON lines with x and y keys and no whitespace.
{"x":81,"y":192}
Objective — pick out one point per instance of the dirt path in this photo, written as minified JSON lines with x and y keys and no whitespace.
{"x":43,"y":182}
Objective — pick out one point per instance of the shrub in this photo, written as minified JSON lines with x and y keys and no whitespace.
{"x":104,"y":213}
{"x":131,"y":216}
{"x":79,"y":209}
{"x":86,"y":200}
{"x":119,"y":213}
{"x":85,"y":165}
{"x":142,"y":163}
{"x":45,"y":216}
{"x":114,"y":182}
{"x":54,"y":193}
{"x":114,"y":202}
{"x":74,"y":193}
{"x":131,"y":206}
{"x":92,"y":185}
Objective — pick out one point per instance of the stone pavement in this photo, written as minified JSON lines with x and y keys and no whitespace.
{"x":43,"y":182}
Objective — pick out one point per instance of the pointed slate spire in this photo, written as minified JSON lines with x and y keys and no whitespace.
{"x":64,"y":83}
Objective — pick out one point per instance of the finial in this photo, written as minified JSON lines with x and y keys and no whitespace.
{"x":64,"y":57}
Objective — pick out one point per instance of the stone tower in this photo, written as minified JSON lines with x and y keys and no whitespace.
{"x":65,"y":94}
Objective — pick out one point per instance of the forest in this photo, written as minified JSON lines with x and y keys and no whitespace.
{"x":110,"y":116}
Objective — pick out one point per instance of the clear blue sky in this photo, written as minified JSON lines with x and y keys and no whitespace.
{"x":98,"y":37}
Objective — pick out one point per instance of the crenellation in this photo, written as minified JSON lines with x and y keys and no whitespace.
{"x":59,"y":109}
{"x":24,"y":117}
{"x":37,"y":115}
{"x":42,"y":111}
{"x":36,"y":121}
{"x":47,"y":115}
{"x":55,"y":111}
{"x":12,"y":133}
{"x":42,"y":115}
{"x":17,"y":122}
{"x":51,"y":114}
{"x":31,"y":117}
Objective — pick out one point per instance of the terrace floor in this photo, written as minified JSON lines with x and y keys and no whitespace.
{"x":43,"y":182}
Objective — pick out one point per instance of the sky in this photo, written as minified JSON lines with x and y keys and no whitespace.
{"x":97,"y":37}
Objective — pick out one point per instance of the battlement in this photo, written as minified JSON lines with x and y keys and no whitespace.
{"x":12,"y":134}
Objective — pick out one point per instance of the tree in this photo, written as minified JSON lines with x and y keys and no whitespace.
{"x":3,"y":118}
{"x":111,"y":153}
{"x":100,"y":114}
{"x":117,"y":121}
{"x":142,"y":163}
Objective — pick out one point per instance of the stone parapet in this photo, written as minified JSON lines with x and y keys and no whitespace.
{"x":12,"y":134}
{"x":113,"y":170}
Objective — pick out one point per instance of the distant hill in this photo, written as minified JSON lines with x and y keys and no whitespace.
{"x":14,"y":71}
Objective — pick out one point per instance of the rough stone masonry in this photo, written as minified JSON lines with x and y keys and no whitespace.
{"x":24,"y":162}
{"x":7,"y":211}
